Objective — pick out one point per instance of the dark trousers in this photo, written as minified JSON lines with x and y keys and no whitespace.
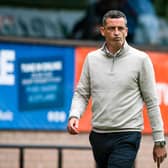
{"x":115,"y":150}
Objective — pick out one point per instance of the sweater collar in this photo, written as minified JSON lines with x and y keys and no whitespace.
{"x":120,"y":52}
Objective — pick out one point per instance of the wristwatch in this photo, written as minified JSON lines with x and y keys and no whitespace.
{"x":160,"y":143}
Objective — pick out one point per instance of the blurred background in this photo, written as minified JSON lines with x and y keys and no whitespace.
{"x":42,"y":48}
{"x":147,"y":19}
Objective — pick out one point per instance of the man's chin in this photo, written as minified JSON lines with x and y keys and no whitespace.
{"x":118,"y":42}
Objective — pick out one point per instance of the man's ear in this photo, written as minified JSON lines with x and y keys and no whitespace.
{"x":126,"y":34}
{"x":101,"y":30}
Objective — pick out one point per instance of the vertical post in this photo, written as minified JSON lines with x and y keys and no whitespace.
{"x":21,"y":158}
{"x":60,"y":157}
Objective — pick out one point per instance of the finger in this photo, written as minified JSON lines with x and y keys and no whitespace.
{"x":154,"y":158}
{"x":162,"y":159}
{"x":73,"y":125}
{"x":73,"y":128}
{"x":75,"y":131}
{"x":76,"y":125}
{"x":158,"y":163}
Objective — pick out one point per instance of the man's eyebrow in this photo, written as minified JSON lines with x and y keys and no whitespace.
{"x":117,"y":26}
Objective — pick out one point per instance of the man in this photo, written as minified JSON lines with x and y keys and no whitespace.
{"x":119,"y":78}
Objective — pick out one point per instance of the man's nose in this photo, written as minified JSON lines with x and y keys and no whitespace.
{"x":116,"y":31}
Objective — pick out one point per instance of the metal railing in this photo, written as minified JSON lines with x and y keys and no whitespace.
{"x":59,"y":148}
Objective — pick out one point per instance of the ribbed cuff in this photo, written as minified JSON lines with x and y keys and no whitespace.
{"x":72,"y":117}
{"x":158,"y":136}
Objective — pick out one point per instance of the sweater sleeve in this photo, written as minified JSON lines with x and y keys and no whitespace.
{"x":82,"y":93}
{"x":149,"y":94}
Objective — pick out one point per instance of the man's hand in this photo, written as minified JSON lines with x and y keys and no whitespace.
{"x":73,"y":125}
{"x":159,"y":154}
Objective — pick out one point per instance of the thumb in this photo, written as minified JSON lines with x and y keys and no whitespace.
{"x":76,"y":123}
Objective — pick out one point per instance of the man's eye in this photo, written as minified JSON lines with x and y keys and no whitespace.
{"x":111,"y":28}
{"x":115,"y":28}
{"x":121,"y":28}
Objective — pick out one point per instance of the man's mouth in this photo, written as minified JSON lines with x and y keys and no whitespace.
{"x":117,"y":39}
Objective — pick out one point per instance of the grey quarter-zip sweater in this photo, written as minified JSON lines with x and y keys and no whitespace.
{"x":119,"y":86}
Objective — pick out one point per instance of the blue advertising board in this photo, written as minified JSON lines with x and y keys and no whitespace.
{"x":36,"y":86}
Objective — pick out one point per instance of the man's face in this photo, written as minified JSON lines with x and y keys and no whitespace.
{"x":114,"y":31}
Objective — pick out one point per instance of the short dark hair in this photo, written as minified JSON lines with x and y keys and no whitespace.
{"x":114,"y":14}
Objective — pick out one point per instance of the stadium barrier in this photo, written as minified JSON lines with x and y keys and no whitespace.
{"x":59,"y":148}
